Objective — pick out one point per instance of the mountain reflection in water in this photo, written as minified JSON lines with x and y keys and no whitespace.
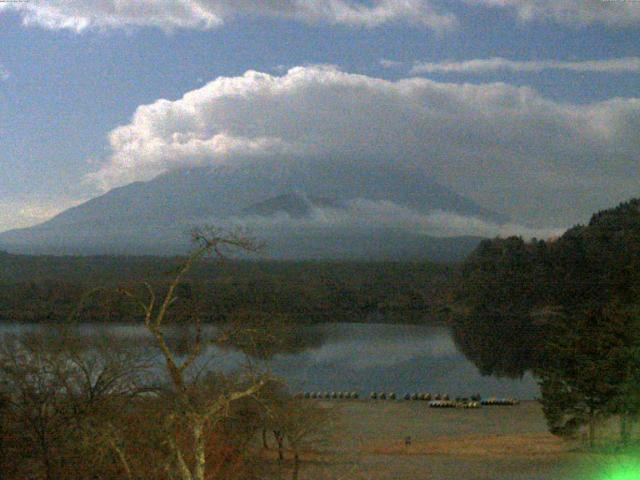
{"x":360,"y":357}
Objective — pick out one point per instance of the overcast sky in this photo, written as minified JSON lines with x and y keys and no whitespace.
{"x":531,"y":108}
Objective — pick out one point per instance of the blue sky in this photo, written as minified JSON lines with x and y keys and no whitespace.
{"x":72,"y":72}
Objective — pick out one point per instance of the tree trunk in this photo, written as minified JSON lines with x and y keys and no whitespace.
{"x":265,"y":444}
{"x":592,"y":429}
{"x":46,"y":460}
{"x":122,"y":457}
{"x":199,"y":447}
{"x":182,"y":470}
{"x":280,"y":440}
{"x":624,"y":428}
{"x":296,"y":465}
{"x":48,"y":469}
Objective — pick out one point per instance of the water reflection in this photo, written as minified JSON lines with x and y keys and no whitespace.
{"x":400,"y":358}
{"x":364,"y":357}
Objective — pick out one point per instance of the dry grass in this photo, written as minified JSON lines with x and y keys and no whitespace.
{"x":486,"y":446}
{"x":493,"y":443}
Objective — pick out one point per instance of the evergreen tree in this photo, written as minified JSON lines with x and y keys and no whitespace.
{"x":626,"y":357}
{"x":589,"y":370}
{"x":502,"y":285}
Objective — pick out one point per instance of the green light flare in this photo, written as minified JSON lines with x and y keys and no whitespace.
{"x":628,"y":469}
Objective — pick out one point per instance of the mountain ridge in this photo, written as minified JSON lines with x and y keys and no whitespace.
{"x":156,"y":215}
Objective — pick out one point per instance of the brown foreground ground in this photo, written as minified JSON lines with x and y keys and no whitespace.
{"x":491,"y":443}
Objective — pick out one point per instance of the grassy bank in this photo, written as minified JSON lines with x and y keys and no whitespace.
{"x":491,"y":443}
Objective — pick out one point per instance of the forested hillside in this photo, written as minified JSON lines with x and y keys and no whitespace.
{"x":49,"y":288}
{"x":569,"y":311}
{"x":511,"y":290}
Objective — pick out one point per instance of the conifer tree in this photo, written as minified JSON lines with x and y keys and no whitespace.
{"x":590,"y":369}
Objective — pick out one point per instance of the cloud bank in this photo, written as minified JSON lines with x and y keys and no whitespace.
{"x":79,"y":15}
{"x":615,"y":65}
{"x":499,"y":144}
{"x":365,"y":215}
{"x":18,"y":213}
{"x":617,"y":13}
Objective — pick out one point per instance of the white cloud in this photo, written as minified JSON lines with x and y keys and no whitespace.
{"x":386,"y":63}
{"x":366,"y":214}
{"x":615,"y":65}
{"x":571,"y":12}
{"x":21,"y":213}
{"x":493,"y":142}
{"x":79,"y":15}
{"x":4,"y":74}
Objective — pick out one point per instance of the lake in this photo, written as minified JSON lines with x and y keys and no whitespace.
{"x":361,"y":357}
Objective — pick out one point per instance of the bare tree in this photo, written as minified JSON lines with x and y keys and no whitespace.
{"x":302,"y":424}
{"x":195,"y":411}
{"x":92,"y":406}
{"x":57,"y":384}
{"x":36,"y":408}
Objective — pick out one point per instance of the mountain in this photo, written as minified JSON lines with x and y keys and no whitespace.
{"x":294,"y":204}
{"x":301,"y":210}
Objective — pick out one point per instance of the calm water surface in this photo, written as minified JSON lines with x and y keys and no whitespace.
{"x":362,"y":357}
